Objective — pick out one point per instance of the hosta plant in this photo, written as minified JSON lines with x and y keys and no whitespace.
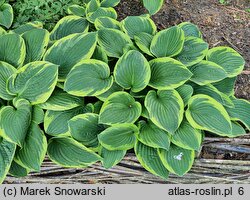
{"x":94,"y":88}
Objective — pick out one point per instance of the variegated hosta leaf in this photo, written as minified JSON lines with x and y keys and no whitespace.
{"x":97,"y":107}
{"x":132,"y":71}
{"x":34,"y":81}
{"x":100,"y":54}
{"x":119,"y":137}
{"x":237,"y":130}
{"x":109,"y":3}
{"x":101,"y":12}
{"x":114,"y":88}
{"x":114,"y":42}
{"x":14,"y":122}
{"x":194,"y":50}
{"x":150,"y":160}
{"x":7,"y":151}
{"x":240,"y":111}
{"x":92,"y":5}
{"x":190,"y":29}
{"x":28,"y":27}
{"x":111,"y":158}
{"x":228,"y":58}
{"x":143,"y":41}
{"x":84,"y":128}
{"x":187,"y":137}
{"x":60,"y":100}
{"x":167,"y":73}
{"x":226,"y":86}
{"x":118,"y":108}
{"x":17,"y":170}
{"x":132,"y":25}
{"x":165,"y":109}
{"x":151,"y":135}
{"x":56,"y":122}
{"x":89,"y":77}
{"x":77,"y":10}
{"x":168,"y":42}
{"x":70,"y":50}
{"x":67,"y":152}
{"x":6,"y":15}
{"x":177,"y":160}
{"x":34,"y":148}
{"x":153,"y":6}
{"x":12,"y":49}
{"x":36,"y":42}
{"x":37,"y":115}
{"x":205,"y":113}
{"x":69,"y":25}
{"x":6,"y":70}
{"x":106,"y":22}
{"x":206,"y":72}
{"x":211,"y":91}
{"x":186,"y":92}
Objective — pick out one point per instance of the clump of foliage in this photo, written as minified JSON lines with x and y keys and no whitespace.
{"x":94,"y":88}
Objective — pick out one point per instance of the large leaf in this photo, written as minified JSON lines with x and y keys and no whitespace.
{"x":213,"y":92}
{"x":177,"y":160}
{"x":205,"y":113}
{"x":114,"y":42}
{"x":69,"y":25}
{"x":226,"y":85}
{"x":132,"y":71}
{"x":77,"y":10}
{"x":85,"y":128}
{"x":153,"y":6}
{"x":228,"y":58}
{"x":109,"y":3}
{"x":151,"y":135}
{"x":206,"y":72}
{"x":132,"y":25}
{"x":6,"y":15}
{"x":118,"y":108}
{"x":36,"y":42}
{"x":7,"y":151}
{"x":17,"y":170}
{"x":101,"y":12}
{"x":12,"y":49}
{"x":194,"y":50}
{"x":111,"y":158}
{"x":56,"y":122}
{"x":187,"y":137}
{"x":150,"y":160}
{"x":34,"y":81}
{"x":168,"y":42}
{"x":69,"y":50}
{"x":28,"y":27}
{"x":67,"y":152}
{"x":88,"y":78}
{"x":143,"y":41}
{"x":186,"y":92}
{"x":119,"y":137}
{"x":14,"y":122}
{"x":167,"y":73}
{"x":190,"y":29}
{"x":107,"y":22}
{"x":33,"y":151}
{"x":6,"y":70}
{"x":240,"y":111}
{"x":60,"y":100}
{"x":165,"y":109}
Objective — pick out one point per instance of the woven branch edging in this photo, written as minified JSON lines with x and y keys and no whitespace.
{"x":130,"y":170}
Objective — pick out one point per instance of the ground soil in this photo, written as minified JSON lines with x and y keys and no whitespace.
{"x":220,"y":24}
